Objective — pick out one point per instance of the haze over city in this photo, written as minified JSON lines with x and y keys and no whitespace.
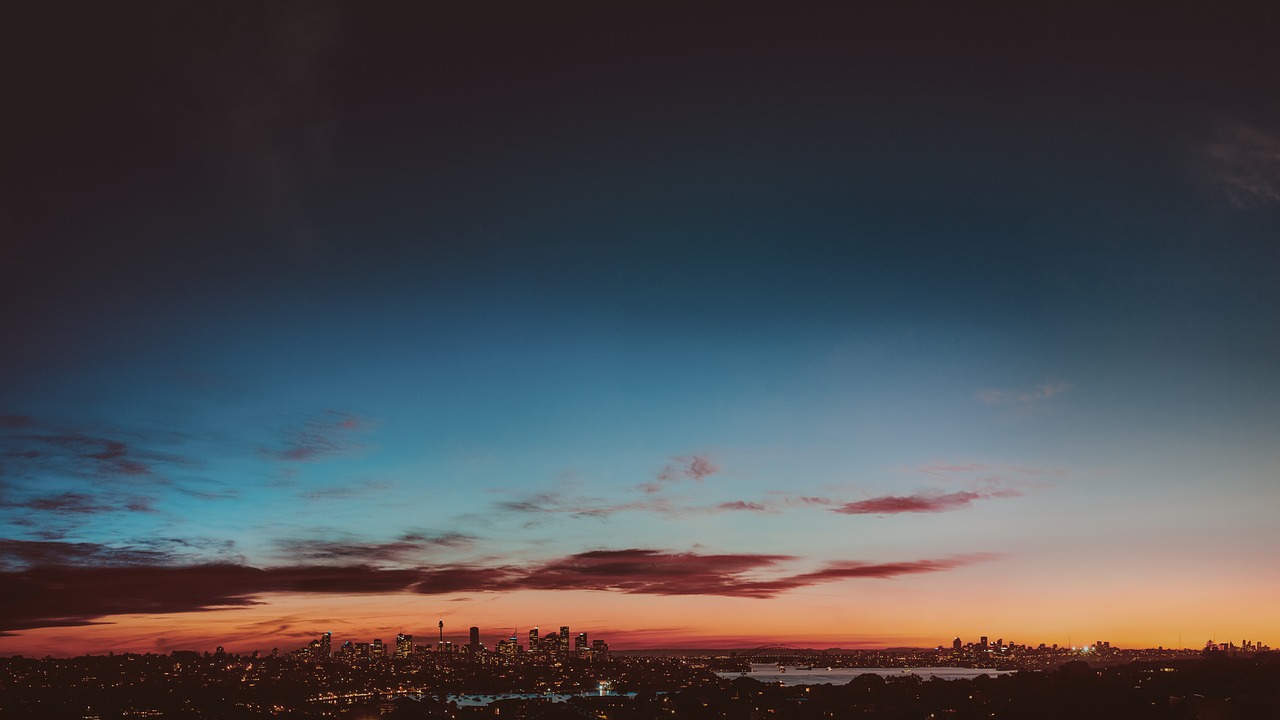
{"x":689,"y":327}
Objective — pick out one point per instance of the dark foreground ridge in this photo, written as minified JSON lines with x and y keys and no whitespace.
{"x":187,"y":685}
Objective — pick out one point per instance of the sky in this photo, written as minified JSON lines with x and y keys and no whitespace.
{"x":678,"y":325}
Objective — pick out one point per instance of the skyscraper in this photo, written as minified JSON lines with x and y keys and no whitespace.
{"x":563,"y":645}
{"x":325,"y":644}
{"x":474,"y":645}
{"x":533,"y":641}
{"x":580,"y":645}
{"x":404,"y":645}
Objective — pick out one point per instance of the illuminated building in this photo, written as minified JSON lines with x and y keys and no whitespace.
{"x":326,"y":641}
{"x":404,"y":645}
{"x":580,"y":645}
{"x":563,"y":644}
{"x":956,"y":645}
{"x":533,"y":641}
{"x":377,"y":650}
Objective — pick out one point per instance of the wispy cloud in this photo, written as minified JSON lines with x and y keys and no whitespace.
{"x":917,"y":503}
{"x":742,"y":505}
{"x":1244,"y":162}
{"x":1039,"y":393}
{"x":327,"y":434}
{"x":76,"y":503}
{"x":71,"y":453}
{"x":692,"y":467}
{"x":409,"y":548}
{"x":345,"y":492}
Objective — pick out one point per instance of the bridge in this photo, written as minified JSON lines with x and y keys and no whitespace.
{"x":783,"y":653}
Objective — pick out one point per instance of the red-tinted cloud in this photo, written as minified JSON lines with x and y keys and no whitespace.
{"x":47,"y":584}
{"x":652,"y":572}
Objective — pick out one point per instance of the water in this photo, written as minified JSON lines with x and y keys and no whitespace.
{"x":839,"y":676}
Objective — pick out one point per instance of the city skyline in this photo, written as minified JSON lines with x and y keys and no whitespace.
{"x":859,"y":327}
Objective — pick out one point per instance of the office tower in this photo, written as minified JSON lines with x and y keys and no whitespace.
{"x":533,"y":641}
{"x":599,"y":649}
{"x":325,"y":644}
{"x":983,"y":642}
{"x":580,"y":645}
{"x":956,"y":645}
{"x":563,"y":644}
{"x":347,"y":650}
{"x":474,"y":645}
{"x":377,"y":650}
{"x":404,"y":645}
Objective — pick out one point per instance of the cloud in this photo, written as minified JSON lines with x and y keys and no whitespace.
{"x":919,"y":502}
{"x":1039,"y":393}
{"x":327,"y":434}
{"x":742,"y":505}
{"x":406,"y":548}
{"x":80,"y":455}
{"x":653,"y":572}
{"x":345,"y":492}
{"x":1244,"y":162}
{"x":47,"y":584}
{"x":76,"y":503}
{"x":692,"y":467}
{"x":848,"y":570}
{"x":547,"y":503}
{"x":19,"y":554}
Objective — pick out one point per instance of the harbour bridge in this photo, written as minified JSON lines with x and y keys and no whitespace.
{"x":784,"y":653}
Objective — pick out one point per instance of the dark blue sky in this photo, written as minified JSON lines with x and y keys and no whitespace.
{"x":271,"y":272}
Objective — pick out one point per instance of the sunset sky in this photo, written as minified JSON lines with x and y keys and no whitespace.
{"x":679,"y":326}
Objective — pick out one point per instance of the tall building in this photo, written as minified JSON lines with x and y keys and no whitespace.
{"x":377,"y":650}
{"x":563,"y":645}
{"x":957,"y":645}
{"x":404,"y":645}
{"x":326,"y":641}
{"x":983,"y":642}
{"x":474,"y":645}
{"x":580,"y":645}
{"x":533,"y":641}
